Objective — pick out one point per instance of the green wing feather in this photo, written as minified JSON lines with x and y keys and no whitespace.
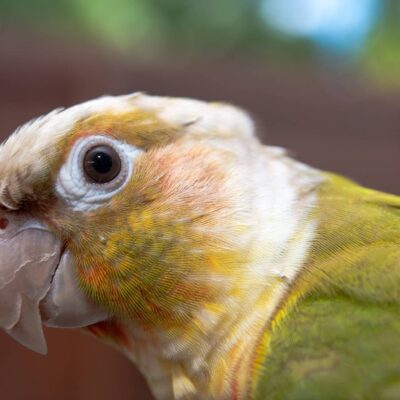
{"x":340,"y":336}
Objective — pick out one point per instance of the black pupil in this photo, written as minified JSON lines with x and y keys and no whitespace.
{"x":101,"y":162}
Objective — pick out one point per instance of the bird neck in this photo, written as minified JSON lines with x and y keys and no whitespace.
{"x":216,"y":353}
{"x":219,"y":362}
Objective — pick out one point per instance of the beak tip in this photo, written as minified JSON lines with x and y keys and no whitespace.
{"x":42,"y":352}
{"x":35,"y":343}
{"x":40,"y":348}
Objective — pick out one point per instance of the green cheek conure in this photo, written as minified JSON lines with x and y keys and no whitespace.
{"x":221,"y":267}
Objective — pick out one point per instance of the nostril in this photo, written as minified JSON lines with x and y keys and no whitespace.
{"x":3,"y":223}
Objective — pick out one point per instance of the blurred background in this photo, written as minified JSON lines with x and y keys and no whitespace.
{"x":321,"y":77}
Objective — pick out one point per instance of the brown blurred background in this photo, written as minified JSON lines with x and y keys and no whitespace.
{"x":333,"y":101}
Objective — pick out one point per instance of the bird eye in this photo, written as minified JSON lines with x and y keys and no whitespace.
{"x":96,"y":169}
{"x":101,"y":164}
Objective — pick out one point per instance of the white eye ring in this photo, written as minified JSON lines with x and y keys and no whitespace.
{"x":72,"y":183}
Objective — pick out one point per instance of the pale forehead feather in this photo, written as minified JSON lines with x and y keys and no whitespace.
{"x":22,"y":156}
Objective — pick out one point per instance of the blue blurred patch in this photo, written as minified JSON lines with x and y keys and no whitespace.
{"x":339,"y":26}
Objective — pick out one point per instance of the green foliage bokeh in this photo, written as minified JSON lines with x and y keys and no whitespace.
{"x":202,"y":27}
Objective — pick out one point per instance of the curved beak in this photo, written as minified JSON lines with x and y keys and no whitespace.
{"x":38,"y":283}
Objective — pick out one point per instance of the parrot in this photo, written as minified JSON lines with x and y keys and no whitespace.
{"x":221,"y":267}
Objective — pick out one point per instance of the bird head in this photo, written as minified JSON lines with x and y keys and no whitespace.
{"x":164,"y":214}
